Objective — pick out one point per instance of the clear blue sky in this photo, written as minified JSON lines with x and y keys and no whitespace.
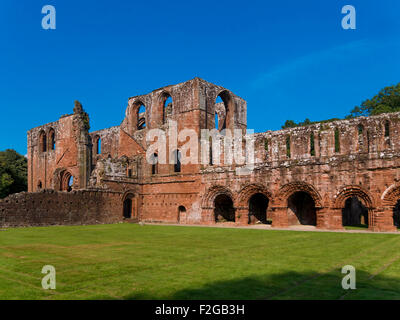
{"x":288,"y":59}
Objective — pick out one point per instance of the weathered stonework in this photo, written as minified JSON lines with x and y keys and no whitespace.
{"x":303,"y":175}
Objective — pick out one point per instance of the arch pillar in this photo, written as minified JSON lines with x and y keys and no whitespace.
{"x":241,"y":215}
{"x":322,"y":218}
{"x":334,"y":219}
{"x":207,"y":215}
{"x":381,"y":219}
{"x":279,"y":217}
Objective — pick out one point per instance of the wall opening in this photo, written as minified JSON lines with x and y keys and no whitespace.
{"x":312,"y":144}
{"x":141,"y":117}
{"x":42,"y":141}
{"x":128,"y":207}
{"x":181,"y":212}
{"x":52,"y":139}
{"x":396,"y":214}
{"x":154,"y":165}
{"x":354,"y":213}
{"x":39,"y":185}
{"x":301,"y":209}
{"x":387,"y":133}
{"x":337,"y":140}
{"x":288,"y":146}
{"x":66,"y":181}
{"x":258,"y":205}
{"x":177,"y":161}
{"x":360,"y":130}
{"x":222,"y":111}
{"x":167,"y":106}
{"x":223,"y":209}
{"x":98,"y":145}
{"x":387,"y":128}
{"x":70,"y":183}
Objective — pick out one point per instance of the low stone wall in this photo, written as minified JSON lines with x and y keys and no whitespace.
{"x":49,"y":207}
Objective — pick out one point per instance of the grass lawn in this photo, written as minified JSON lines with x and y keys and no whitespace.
{"x":128,"y":261}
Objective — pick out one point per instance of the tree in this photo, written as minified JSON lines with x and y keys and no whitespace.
{"x":13,"y":172}
{"x":387,"y":100}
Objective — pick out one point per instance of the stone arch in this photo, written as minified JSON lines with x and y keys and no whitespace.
{"x":248,"y":191}
{"x":42,"y":142}
{"x":52,"y":139}
{"x":213,"y":192}
{"x":129,"y":205}
{"x":391,"y":195}
{"x":225,"y":114}
{"x":181,"y":214}
{"x":391,"y":203}
{"x":356,"y":205}
{"x":96,"y":145}
{"x":298,"y":186}
{"x":164,"y":108}
{"x":138,"y":121}
{"x":353,"y":191}
{"x":66,"y":180}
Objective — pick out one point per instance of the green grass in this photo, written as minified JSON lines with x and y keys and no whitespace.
{"x":359,"y":227}
{"x":127,"y":261}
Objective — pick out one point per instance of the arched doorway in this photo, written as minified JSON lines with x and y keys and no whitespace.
{"x":128,"y":207}
{"x":223,"y":209}
{"x":354,"y":213}
{"x":66,"y":181}
{"x":301,"y":209}
{"x":181,"y":212}
{"x":396,"y":214}
{"x":258,"y":205}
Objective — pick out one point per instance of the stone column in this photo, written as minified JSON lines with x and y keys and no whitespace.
{"x":321,"y":217}
{"x":381,"y":219}
{"x":280,"y":218}
{"x":333,"y":219}
{"x":241,"y":215}
{"x":207,"y":215}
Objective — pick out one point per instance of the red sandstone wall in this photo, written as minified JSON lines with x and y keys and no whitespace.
{"x":49,"y":207}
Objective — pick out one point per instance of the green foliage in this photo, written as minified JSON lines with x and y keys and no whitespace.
{"x":13,"y":172}
{"x":266,"y":145}
{"x":306,"y":122}
{"x":129,"y":261}
{"x":387,"y":100}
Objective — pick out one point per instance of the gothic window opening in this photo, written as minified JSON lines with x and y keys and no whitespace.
{"x":141,"y":117}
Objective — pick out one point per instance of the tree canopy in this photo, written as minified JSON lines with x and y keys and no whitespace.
{"x":13,"y":172}
{"x":386,"y":101}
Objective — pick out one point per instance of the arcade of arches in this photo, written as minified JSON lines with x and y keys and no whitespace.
{"x":352,"y":208}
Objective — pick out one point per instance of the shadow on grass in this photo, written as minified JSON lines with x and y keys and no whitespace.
{"x":290,"y":285}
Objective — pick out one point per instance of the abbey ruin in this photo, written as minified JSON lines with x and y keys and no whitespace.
{"x":327,"y":175}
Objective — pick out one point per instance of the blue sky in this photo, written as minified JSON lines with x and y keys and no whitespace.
{"x":288,"y":59}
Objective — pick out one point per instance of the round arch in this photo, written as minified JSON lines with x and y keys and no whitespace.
{"x":128,"y":205}
{"x":289,"y":189}
{"x":228,"y":102}
{"x":66,"y":181}
{"x":248,"y":191}
{"x":164,"y":107}
{"x":212,"y":193}
{"x":353,"y":191}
